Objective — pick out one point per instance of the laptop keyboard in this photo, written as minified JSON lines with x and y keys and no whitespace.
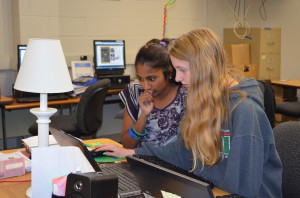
{"x":127,"y":181}
{"x":157,"y":161}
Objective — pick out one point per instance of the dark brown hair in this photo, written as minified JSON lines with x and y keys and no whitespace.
{"x":155,"y":54}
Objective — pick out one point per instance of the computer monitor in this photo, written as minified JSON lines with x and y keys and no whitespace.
{"x":109,"y":57}
{"x":21,"y":52}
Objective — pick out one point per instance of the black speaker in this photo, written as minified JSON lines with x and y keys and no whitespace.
{"x":91,"y":185}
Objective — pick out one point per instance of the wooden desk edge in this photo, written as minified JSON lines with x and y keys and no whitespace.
{"x":4,"y":100}
{"x":16,"y":105}
{"x":114,"y":91}
{"x":287,"y":83}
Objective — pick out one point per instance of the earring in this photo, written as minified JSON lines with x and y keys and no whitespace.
{"x":170,"y":77}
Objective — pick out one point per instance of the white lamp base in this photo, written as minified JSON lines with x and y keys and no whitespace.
{"x":43,"y":124}
{"x":28,"y":192}
{"x":43,"y":130}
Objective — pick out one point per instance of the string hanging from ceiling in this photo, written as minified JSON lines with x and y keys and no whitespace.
{"x":165,"y":19}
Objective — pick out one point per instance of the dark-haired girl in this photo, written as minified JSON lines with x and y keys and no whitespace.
{"x":154,"y":105}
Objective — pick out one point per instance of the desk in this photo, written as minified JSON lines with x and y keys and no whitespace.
{"x":287,"y":83}
{"x":285,"y":90}
{"x":10,"y":103}
{"x":18,"y":190}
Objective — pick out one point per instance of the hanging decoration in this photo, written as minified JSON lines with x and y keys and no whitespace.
{"x":165,"y":21}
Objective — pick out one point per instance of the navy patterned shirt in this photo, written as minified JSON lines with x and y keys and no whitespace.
{"x":162,"y":124}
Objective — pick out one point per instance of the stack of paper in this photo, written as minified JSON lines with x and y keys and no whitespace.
{"x":81,"y":84}
{"x":33,"y":141}
{"x":78,"y":89}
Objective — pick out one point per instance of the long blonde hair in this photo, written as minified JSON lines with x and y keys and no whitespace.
{"x":208,"y":95}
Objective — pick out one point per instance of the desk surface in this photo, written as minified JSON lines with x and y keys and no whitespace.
{"x":18,"y":189}
{"x":5,"y":100}
{"x":287,"y":83}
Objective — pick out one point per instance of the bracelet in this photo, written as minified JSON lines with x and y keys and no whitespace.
{"x":132,"y":135}
{"x":137,"y":133}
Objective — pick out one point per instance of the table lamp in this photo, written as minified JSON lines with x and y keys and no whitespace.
{"x":43,"y":70}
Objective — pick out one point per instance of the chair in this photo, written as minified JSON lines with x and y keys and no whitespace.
{"x":269,"y":100}
{"x":87,"y":118}
{"x":291,"y":109}
{"x":287,"y":143}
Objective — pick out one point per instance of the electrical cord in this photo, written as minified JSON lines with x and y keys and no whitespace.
{"x":16,"y":181}
{"x":240,"y":21}
{"x":241,"y":24}
{"x":262,"y":10}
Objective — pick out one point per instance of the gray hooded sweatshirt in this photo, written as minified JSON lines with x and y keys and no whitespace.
{"x":251,"y":166}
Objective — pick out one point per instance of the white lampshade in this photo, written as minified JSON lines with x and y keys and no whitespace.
{"x":44,"y":68}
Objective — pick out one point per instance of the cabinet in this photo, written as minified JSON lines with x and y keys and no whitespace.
{"x":265,"y":49}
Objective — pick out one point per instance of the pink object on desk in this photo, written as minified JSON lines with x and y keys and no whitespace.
{"x":12,"y":167}
{"x":59,"y":186}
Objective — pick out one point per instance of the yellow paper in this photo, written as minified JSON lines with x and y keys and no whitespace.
{"x":169,"y":195}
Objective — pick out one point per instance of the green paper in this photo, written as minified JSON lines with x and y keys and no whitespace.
{"x":93,"y":144}
{"x":106,"y":159}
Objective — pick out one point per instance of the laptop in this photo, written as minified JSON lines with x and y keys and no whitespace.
{"x":160,"y":182}
{"x":127,"y":184}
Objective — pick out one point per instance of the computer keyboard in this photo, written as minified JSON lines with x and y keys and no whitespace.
{"x":37,"y":98}
{"x":127,"y":181}
{"x":157,"y":161}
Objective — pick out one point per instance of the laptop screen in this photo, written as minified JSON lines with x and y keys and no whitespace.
{"x":65,"y":139}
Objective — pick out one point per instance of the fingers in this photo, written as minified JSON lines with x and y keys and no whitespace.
{"x":114,"y":150}
{"x":103,"y":147}
{"x":146,"y":98}
{"x":110,"y":149}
